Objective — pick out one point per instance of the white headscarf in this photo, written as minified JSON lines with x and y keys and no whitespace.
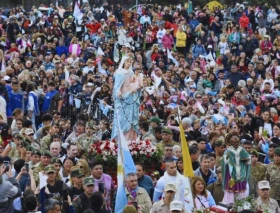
{"x":121,"y":70}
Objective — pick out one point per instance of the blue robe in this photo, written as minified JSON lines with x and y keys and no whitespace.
{"x":128,"y":113}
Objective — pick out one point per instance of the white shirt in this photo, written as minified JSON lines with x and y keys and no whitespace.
{"x":160,"y":33}
{"x":87,"y":69}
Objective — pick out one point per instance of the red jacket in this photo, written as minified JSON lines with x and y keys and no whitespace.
{"x":266,"y":46}
{"x":93,"y":27}
{"x":244,"y":21}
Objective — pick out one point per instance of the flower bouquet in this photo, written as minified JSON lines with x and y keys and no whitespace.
{"x":144,"y":152}
{"x":105,"y":151}
{"x":141,"y":151}
{"x":248,"y":203}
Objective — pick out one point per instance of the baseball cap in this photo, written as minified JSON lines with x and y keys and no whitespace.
{"x":6,"y":78}
{"x":170,"y":187}
{"x":176,"y":205}
{"x":46,"y":153}
{"x":76,"y":173}
{"x":29,"y":131}
{"x":254,"y":153}
{"x":166,"y":130}
{"x":277,"y":151}
{"x":88,"y":181}
{"x":264,"y":184}
{"x":155,"y":119}
{"x":49,"y":168}
{"x":29,"y":148}
{"x":56,"y":160}
{"x":36,"y":152}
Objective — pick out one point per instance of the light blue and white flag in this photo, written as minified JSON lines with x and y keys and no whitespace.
{"x":125,"y":166}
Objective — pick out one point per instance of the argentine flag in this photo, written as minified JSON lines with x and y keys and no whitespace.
{"x":125,"y":166}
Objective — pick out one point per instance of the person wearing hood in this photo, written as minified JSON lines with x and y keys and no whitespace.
{"x":271,"y":16}
{"x":90,"y":16}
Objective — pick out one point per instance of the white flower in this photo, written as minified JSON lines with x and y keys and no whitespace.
{"x":141,"y":152}
{"x":246,"y":205}
{"x":104,"y":158}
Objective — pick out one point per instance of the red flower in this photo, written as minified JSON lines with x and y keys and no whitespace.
{"x":99,"y":151}
{"x":148,"y":155}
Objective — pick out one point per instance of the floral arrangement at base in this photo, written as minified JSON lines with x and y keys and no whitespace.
{"x":141,"y":151}
{"x":248,"y":203}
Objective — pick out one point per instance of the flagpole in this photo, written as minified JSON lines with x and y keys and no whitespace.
{"x":119,"y":147}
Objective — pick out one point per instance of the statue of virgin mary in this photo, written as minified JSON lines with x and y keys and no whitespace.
{"x":126,"y":96}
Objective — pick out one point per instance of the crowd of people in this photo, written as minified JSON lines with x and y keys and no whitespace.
{"x":60,"y":93}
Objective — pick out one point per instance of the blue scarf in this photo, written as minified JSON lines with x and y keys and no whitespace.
{"x":47,"y":100}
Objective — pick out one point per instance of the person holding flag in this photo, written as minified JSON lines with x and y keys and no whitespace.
{"x":128,"y":191}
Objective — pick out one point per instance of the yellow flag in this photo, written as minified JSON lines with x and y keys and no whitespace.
{"x":187,"y":164}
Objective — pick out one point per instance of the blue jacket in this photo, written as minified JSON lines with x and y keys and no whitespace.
{"x":15,"y":101}
{"x":147,"y":183}
{"x":212,"y":179}
{"x":198,"y":50}
{"x":61,"y":50}
{"x":194,"y":23}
